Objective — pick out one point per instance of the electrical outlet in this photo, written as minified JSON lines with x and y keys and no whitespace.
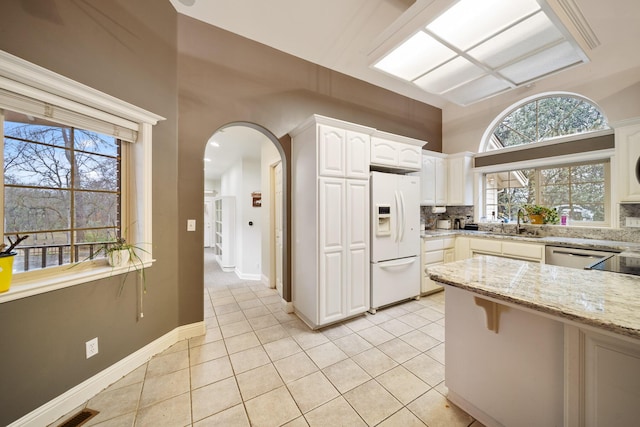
{"x":191,"y":225}
{"x":632,"y":221}
{"x":92,"y":347}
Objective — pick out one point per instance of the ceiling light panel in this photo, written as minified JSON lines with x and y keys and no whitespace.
{"x":546,"y":62}
{"x":414,"y":57}
{"x":532,"y":34}
{"x":446,"y":77}
{"x":469,"y":22}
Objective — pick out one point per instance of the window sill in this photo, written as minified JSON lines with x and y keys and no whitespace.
{"x":23,"y":286}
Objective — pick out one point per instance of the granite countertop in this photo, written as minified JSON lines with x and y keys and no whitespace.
{"x":605,"y":300}
{"x":628,"y":248}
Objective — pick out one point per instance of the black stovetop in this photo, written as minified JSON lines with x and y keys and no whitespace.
{"x":619,"y":264}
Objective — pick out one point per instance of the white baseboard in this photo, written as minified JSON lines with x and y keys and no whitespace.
{"x":245,"y":276}
{"x":287,"y":306}
{"x":267,"y":282}
{"x":78,"y":395}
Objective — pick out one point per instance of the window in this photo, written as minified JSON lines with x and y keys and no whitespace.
{"x":576,"y":191}
{"x":552,"y":151}
{"x":61,"y":188}
{"x":77,"y":171}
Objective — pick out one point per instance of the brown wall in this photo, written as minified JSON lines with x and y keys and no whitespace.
{"x":126,"y":49}
{"x":225,"y":78}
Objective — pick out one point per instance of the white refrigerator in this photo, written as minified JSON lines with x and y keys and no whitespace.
{"x":395,"y":238}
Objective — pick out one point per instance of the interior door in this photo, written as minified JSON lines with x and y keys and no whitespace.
{"x":278,"y":238}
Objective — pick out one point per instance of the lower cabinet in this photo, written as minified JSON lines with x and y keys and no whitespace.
{"x":434,"y":252}
{"x":508,"y":249}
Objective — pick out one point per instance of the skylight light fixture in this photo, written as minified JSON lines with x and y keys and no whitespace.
{"x":476,"y":49}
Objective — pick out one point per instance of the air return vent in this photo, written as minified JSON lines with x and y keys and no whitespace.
{"x":80,"y":418}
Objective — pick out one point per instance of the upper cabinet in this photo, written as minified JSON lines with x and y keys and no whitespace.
{"x":628,"y":157}
{"x":342,"y":153}
{"x":446,"y":179}
{"x":433,"y":179}
{"x":460,"y":179}
{"x":397,"y":152}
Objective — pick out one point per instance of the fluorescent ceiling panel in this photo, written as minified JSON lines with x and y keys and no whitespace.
{"x":531,"y":35}
{"x":478,"y":48}
{"x":469,"y":22}
{"x":476,"y":90}
{"x":414,"y":57}
{"x":452,"y":74}
{"x":541,"y":64}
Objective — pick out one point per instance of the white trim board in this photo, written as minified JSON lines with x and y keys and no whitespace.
{"x":78,"y":395}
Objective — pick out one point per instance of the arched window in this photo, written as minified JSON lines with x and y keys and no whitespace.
{"x":552,"y":151}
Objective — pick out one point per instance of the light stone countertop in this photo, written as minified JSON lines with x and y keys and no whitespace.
{"x":608,"y":301}
{"x":628,"y":248}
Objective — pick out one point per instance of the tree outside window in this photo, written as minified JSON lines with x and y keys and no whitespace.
{"x":577,"y":191}
{"x":61,"y":186}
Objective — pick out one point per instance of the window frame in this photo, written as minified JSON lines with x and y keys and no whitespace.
{"x":606,"y":161}
{"x":78,"y":102}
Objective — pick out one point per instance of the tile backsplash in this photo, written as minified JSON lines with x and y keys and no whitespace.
{"x":622,"y":234}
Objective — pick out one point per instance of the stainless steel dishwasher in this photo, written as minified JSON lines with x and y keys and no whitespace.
{"x":574,"y":257}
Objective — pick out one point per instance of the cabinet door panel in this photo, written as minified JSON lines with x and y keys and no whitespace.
{"x":409,"y":156}
{"x":384,"y":152}
{"x":331,"y":151}
{"x":332,"y":212}
{"x":358,"y":155}
{"x":358,"y":281}
{"x":441,"y":178}
{"x":331,"y":287}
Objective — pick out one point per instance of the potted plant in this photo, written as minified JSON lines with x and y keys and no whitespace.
{"x":6,"y":261}
{"x":119,"y":253}
{"x":541,"y":214}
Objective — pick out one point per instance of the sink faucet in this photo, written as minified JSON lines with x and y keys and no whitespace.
{"x":520,"y":228}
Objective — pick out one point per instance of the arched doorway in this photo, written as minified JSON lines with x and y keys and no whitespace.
{"x":239,"y":148}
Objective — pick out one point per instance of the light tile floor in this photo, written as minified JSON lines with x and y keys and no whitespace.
{"x":257,"y":365}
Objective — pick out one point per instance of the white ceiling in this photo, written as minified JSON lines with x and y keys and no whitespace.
{"x":344,"y":35}
{"x":235,"y":143}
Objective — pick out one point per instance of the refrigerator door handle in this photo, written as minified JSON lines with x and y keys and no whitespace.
{"x":404,"y":216}
{"x":397,"y":199}
{"x":397,"y":263}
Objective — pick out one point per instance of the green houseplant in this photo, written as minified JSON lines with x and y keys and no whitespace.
{"x":6,"y":261}
{"x":119,"y":253}
{"x":541,"y":214}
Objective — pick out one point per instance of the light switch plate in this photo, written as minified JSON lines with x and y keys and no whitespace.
{"x":191,"y":225}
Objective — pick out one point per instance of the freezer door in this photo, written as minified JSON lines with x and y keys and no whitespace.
{"x":384,"y":195}
{"x":408,"y":188}
{"x":395,"y":280}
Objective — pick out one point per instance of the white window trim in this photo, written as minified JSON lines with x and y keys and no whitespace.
{"x":27,"y":79}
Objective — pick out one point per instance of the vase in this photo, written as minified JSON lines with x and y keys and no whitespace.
{"x":536,"y":219}
{"x":119,"y":258}
{"x":6,"y":271}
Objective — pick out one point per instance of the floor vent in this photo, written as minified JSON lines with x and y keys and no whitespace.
{"x":80,"y":418}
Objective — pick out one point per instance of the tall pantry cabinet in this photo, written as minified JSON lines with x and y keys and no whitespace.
{"x":330,"y":220}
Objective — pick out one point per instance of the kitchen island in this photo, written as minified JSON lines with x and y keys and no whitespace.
{"x":534,"y":344}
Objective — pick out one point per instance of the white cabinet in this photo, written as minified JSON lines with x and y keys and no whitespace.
{"x":433,"y":179}
{"x":330,"y":220}
{"x":628,"y":159}
{"x":225,"y":226}
{"x":435,"y":251}
{"x":342,"y":153}
{"x":509,"y":249}
{"x":460,"y":179}
{"x":396,"y":152}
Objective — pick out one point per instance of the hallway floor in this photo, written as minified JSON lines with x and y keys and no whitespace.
{"x":257,"y":365}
